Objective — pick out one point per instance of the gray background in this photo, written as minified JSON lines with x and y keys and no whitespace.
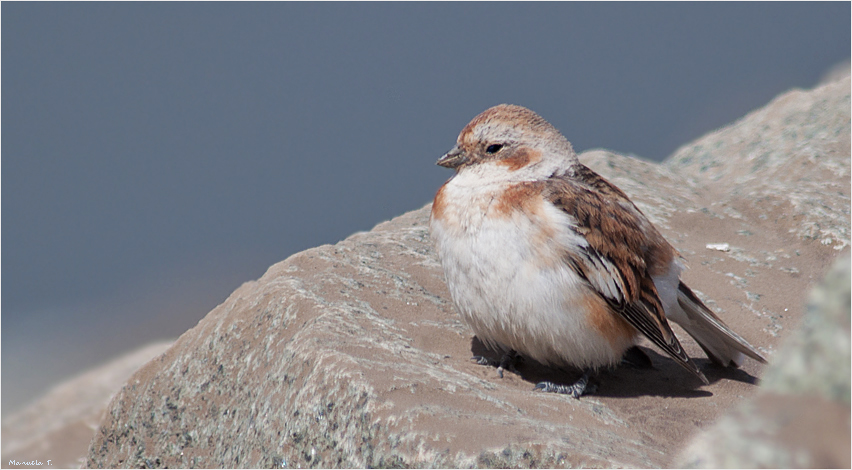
{"x":155,"y":156}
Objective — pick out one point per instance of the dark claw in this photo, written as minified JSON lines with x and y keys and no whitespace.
{"x":507,"y":362}
{"x":575,"y":390}
{"x":483,"y":361}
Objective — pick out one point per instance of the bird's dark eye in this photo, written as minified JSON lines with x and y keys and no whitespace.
{"x":493,"y":148}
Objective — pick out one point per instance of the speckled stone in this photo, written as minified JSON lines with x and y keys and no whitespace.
{"x":351,"y":355}
{"x":801,"y":416}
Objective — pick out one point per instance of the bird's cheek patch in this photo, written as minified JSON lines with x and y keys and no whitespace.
{"x":520,"y":159}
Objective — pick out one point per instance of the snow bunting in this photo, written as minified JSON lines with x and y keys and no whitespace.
{"x":545,"y":258}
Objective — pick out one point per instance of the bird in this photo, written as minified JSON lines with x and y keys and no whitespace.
{"x":546,"y":259}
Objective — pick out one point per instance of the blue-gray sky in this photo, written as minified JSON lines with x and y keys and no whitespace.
{"x":157,"y":155}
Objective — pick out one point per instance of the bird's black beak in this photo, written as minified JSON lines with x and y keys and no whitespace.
{"x":452,"y":159}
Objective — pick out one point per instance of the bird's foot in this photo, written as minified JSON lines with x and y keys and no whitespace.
{"x":575,"y":390}
{"x":507,"y":362}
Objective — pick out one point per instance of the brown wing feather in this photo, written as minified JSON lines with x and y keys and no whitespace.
{"x":618,"y":244}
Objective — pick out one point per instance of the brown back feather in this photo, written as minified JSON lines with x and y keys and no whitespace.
{"x":617,"y":233}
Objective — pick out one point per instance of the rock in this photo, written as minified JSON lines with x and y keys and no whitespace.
{"x":351,"y":355}
{"x":801,"y":140}
{"x":816,"y":360}
{"x":801,"y":416}
{"x":839,"y":71}
{"x":59,"y":426}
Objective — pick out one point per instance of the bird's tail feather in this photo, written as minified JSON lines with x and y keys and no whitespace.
{"x":721,"y":344}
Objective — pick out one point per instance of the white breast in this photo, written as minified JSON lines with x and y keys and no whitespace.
{"x":508,"y":280}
